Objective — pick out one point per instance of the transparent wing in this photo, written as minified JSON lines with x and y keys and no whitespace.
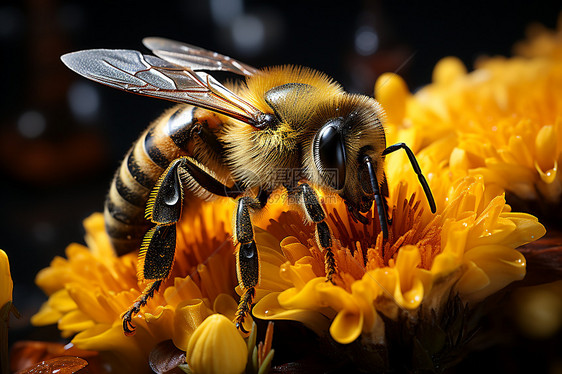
{"x":132,"y":71}
{"x":195,"y":58}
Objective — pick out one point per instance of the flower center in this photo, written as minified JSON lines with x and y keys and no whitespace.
{"x":359,"y":248}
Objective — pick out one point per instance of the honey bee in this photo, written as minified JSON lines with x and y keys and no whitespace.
{"x":241,"y":141}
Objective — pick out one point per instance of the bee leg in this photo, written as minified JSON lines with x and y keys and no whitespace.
{"x":156,"y":255}
{"x":315,"y":213}
{"x":417,"y":170}
{"x":247,"y":258}
{"x":384,"y":192}
{"x":379,"y":201}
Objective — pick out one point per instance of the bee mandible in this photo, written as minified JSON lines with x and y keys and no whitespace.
{"x":237,"y":141}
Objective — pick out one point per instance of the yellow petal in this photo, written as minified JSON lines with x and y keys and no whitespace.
{"x":87,"y":301}
{"x":347,"y":326}
{"x":547,"y":152}
{"x":528,"y":229}
{"x":60,"y":272}
{"x":501,"y":264}
{"x":96,"y":237}
{"x":458,"y":162}
{"x":188,"y":317}
{"x":6,"y":284}
{"x":130,"y":353}
{"x":227,"y":306}
{"x":444,"y":264}
{"x":268,"y":308}
{"x":217,"y":347}
{"x":46,"y":315}
{"x":391,"y":92}
{"x":474,"y":279}
{"x":335,"y":297}
{"x":75,"y":321}
{"x":447,"y":70}
{"x":293,"y":249}
{"x":407,"y":261}
{"x":364,"y":295}
{"x":62,"y":301}
{"x":160,"y":324}
{"x":491,"y":226}
{"x":548,"y":176}
{"x":183,"y":289}
{"x":299,"y":274}
{"x":307,"y":298}
{"x":519,"y":152}
{"x":454,"y":238}
{"x":270,"y":279}
{"x":409,"y":290}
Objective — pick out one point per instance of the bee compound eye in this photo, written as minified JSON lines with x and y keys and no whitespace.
{"x":330,"y":155}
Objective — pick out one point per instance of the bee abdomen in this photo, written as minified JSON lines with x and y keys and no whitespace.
{"x":165,"y":140}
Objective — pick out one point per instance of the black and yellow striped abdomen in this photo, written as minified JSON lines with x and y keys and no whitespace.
{"x":181,"y":131}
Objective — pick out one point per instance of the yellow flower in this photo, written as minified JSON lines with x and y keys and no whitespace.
{"x":541,"y":42}
{"x":90,"y":289}
{"x":467,"y":248}
{"x":502,"y":121}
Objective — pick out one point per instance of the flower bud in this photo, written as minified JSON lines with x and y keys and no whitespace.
{"x":217,"y":347}
{"x":6,"y":284}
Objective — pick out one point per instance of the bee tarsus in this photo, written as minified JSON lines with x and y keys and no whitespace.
{"x":128,"y":326}
{"x":244,"y":308}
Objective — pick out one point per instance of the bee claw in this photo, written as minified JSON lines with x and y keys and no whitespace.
{"x":244,"y":308}
{"x":128,"y":327}
{"x":240,"y":326}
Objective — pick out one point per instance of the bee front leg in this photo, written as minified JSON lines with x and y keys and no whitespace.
{"x":247,"y":258}
{"x":315,"y":213}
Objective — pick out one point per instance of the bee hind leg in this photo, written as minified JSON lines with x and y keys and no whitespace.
{"x":157,"y":252}
{"x":315,"y":213}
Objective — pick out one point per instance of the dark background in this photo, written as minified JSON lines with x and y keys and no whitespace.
{"x":57,"y":158}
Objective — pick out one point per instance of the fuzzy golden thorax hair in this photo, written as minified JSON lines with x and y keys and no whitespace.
{"x":271,"y":157}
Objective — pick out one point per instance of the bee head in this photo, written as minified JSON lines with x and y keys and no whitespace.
{"x":346,"y":130}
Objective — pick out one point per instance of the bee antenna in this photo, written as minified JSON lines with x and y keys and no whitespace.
{"x":417,"y":170}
